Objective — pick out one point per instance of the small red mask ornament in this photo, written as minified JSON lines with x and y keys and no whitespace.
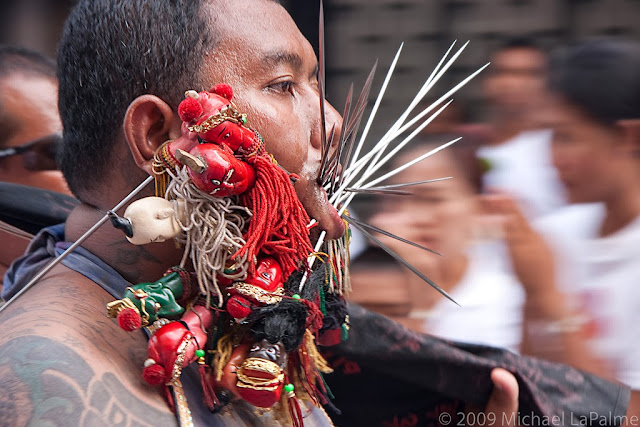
{"x":262,"y":288}
{"x":215,"y":170}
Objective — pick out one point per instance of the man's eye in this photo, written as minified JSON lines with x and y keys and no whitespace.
{"x":282,"y":87}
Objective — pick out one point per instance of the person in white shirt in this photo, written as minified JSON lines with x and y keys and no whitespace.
{"x":443,"y":216}
{"x":583,"y":307}
{"x":517,"y":146}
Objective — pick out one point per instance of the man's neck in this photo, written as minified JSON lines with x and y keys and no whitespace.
{"x":135,"y":263}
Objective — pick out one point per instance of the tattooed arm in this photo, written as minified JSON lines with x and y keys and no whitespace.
{"x":62,"y":362}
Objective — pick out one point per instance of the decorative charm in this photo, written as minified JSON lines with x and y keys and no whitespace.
{"x":152,"y":219}
{"x":262,"y":288}
{"x":145,"y":303}
{"x":261,"y":375}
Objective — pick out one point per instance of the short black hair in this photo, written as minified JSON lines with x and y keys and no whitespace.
{"x":16,"y":59}
{"x":111,"y":52}
{"x":599,"y":76}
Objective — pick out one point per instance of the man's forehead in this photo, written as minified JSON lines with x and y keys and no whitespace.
{"x":263,"y":38}
{"x":262,"y":21}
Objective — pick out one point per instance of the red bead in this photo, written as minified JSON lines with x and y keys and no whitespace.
{"x":129,"y":319}
{"x":190,"y":109}
{"x":223,"y":90}
{"x":153,"y":374}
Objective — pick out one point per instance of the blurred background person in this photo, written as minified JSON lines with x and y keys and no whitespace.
{"x":30,"y":133}
{"x":29,"y":121}
{"x":443,"y":216}
{"x":583,"y":310}
{"x":517,"y":147}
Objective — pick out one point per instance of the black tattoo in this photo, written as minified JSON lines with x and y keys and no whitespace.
{"x":47,"y":383}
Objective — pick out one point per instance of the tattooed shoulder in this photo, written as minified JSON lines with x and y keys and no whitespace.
{"x":48,"y":383}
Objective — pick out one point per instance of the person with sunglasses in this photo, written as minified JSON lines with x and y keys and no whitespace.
{"x":30,"y":126}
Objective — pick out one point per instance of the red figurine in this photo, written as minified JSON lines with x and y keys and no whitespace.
{"x":262,"y":288}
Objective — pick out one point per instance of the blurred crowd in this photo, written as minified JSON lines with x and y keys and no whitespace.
{"x":537,"y":230}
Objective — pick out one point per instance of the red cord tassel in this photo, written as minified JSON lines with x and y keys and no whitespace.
{"x":210,"y":398}
{"x":169,"y":396}
{"x":314,"y":315}
{"x":278,"y":227}
{"x":294,"y":410}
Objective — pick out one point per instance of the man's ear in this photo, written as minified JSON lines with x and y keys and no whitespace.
{"x":148,"y":123}
{"x":631,"y":135}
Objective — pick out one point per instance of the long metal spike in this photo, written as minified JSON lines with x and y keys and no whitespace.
{"x":322,"y":177}
{"x":436,"y":74}
{"x":411,"y":163}
{"x":441,"y":99}
{"x":352,"y":127}
{"x":370,"y":165}
{"x":346,"y":113}
{"x":374,"y":110}
{"x":77,"y":243}
{"x":350,"y":144}
{"x":396,"y":130}
{"x":332,"y":169}
{"x":378,"y":190}
{"x":353,"y":124}
{"x":343,"y":139}
{"x":344,"y":203}
{"x":331,"y":164}
{"x":321,"y":84}
{"x":376,"y":163}
{"x":433,"y":78}
{"x":400,"y":259}
{"x":339,"y":197}
{"x":394,"y":236}
{"x":408,"y":184}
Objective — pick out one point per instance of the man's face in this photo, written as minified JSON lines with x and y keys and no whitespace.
{"x":516,"y":81}
{"x":272,"y":68}
{"x":583,"y":153}
{"x":31,"y":104}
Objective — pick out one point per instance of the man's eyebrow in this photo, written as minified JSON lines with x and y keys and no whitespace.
{"x":279,"y":58}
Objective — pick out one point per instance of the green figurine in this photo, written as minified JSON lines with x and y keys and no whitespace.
{"x":145,"y":303}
